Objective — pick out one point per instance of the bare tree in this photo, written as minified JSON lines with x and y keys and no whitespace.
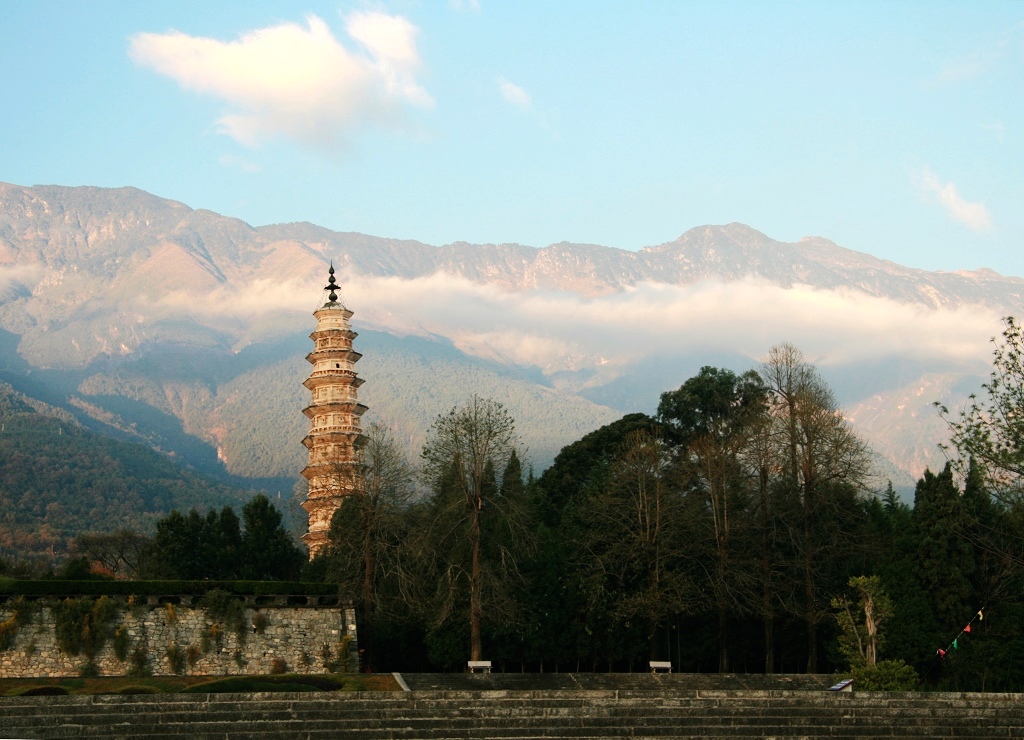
{"x":464,"y":448}
{"x":824,"y":461}
{"x":761,"y":457}
{"x":366,"y":532}
{"x":124,"y":553}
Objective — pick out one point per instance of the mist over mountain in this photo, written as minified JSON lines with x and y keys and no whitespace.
{"x":187,"y":330}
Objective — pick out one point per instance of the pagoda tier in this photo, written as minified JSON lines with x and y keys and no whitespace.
{"x":335,"y":406}
{"x":335,"y":468}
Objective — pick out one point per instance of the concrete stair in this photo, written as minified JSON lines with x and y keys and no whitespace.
{"x":555,"y":713}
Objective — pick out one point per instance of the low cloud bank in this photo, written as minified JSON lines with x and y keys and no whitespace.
{"x":566,"y":331}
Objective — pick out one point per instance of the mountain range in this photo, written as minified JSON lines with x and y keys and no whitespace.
{"x":186,"y":330}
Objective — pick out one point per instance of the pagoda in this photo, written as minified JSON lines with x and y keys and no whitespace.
{"x":335,"y":469}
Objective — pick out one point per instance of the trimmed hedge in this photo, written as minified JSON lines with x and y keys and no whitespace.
{"x":164,"y":588}
{"x":286,"y":682}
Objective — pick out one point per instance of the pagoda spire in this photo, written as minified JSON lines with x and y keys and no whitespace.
{"x":331,"y":286}
{"x":335,"y":469}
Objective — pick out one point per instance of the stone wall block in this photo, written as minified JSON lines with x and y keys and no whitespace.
{"x":296,"y":635}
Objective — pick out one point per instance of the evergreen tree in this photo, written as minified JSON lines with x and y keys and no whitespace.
{"x":715,"y":415}
{"x":267,"y":549}
{"x":945,"y":560}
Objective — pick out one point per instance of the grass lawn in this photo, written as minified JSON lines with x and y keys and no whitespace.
{"x":198,"y":684}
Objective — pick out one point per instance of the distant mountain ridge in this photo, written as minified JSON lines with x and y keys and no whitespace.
{"x":99,"y":285}
{"x":103,"y":231}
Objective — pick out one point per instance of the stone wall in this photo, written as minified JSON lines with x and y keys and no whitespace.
{"x":163,"y":639}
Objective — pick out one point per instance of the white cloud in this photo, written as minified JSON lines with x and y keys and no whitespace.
{"x":557,"y":331}
{"x":974,"y":216}
{"x":297,"y":81}
{"x":26,"y":275}
{"x":258,"y":299}
{"x":514,"y":94}
{"x":463,"y":6}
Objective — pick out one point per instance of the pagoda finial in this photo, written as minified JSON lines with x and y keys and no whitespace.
{"x":331,"y":285}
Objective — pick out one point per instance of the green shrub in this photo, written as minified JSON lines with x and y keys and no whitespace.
{"x":24,"y":612}
{"x":176,"y":657}
{"x":43,"y":691}
{"x":83,"y":625}
{"x":121,"y":642}
{"x":138,"y":690}
{"x":8,"y":631}
{"x":887,"y":675}
{"x":224,"y":607}
{"x":260,"y":622}
{"x":288,"y":682}
{"x":210,"y":638}
{"x":139,"y":663}
{"x":66,"y":588}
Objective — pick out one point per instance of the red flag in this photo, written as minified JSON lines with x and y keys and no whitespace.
{"x":941,"y":652}
{"x":967,"y":628}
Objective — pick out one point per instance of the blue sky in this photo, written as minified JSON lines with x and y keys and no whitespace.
{"x":891,"y":128}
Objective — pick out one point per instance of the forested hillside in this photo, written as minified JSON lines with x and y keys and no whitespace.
{"x":58,"y":479}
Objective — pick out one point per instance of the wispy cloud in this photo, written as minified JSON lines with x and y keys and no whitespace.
{"x":973,"y":65}
{"x":998,"y":127}
{"x":24,"y":277}
{"x":259,"y":298}
{"x":297,"y":81}
{"x":464,"y":6}
{"x":514,"y":94}
{"x":974,"y":216}
{"x":242,"y":164}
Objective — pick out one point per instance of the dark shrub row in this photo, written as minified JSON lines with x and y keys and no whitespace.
{"x":163,"y":588}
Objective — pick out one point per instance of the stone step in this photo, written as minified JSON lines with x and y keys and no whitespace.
{"x":524,"y":720}
{"x":591,"y":730}
{"x":390,"y":701}
{"x":476,"y":714}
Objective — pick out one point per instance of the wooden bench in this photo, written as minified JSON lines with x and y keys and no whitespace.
{"x":661,"y":665}
{"x":481,"y":665}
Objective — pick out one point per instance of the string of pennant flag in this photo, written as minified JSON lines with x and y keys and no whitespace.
{"x":965,"y":631}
